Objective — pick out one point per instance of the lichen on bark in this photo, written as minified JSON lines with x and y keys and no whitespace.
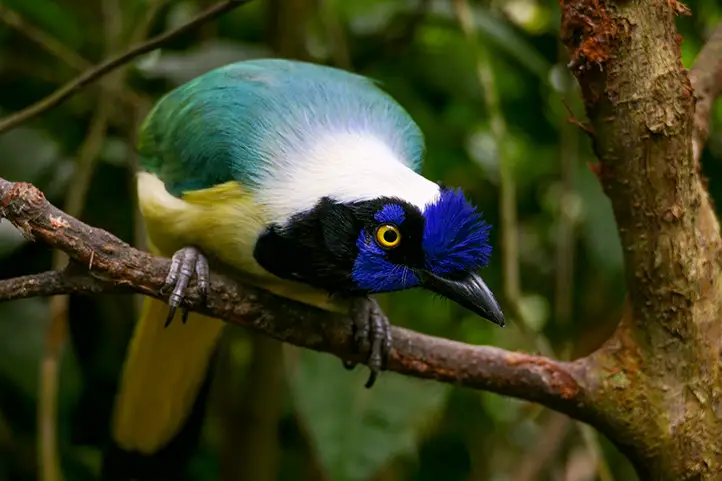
{"x":656,"y":382}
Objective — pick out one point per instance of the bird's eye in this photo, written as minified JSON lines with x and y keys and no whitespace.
{"x":388,"y":236}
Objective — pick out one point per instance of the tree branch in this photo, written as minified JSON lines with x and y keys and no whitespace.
{"x":706,"y":79}
{"x":112,"y":63}
{"x":626,"y":57}
{"x":102,"y":263}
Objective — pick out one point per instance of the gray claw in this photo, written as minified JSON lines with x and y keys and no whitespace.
{"x":372,"y":334}
{"x":184,"y":263}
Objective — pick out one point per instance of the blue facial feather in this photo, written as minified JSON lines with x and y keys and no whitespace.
{"x":455,"y":240}
{"x":373,"y":272}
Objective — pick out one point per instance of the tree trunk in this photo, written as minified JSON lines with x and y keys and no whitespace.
{"x":654,"y":387}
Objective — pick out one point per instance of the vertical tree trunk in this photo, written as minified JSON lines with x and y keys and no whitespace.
{"x":655,"y":385}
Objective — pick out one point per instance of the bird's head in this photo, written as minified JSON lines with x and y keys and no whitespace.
{"x":387,"y":244}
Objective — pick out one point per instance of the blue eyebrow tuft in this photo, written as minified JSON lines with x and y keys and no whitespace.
{"x":391,"y":213}
{"x":456,"y":237}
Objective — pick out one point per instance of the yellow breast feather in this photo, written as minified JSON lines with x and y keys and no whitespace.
{"x":224,"y":221}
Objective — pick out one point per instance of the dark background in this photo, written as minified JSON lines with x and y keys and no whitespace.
{"x":277,"y":412}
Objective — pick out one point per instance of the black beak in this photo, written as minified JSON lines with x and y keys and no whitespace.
{"x":470,"y":292}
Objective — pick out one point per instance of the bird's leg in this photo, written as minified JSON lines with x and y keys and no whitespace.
{"x":373,"y":331}
{"x":184,"y":263}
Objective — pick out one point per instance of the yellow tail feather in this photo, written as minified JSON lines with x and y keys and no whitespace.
{"x":164,"y":370}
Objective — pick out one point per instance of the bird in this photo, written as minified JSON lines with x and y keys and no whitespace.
{"x":303,"y":180}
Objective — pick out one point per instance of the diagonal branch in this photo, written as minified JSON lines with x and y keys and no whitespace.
{"x":102,"y":263}
{"x":112,"y":63}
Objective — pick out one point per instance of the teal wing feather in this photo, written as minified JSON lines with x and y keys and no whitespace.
{"x":233,"y":123}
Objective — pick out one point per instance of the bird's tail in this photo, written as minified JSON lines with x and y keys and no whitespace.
{"x":163,"y":381}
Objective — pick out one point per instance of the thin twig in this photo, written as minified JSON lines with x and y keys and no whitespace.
{"x":119,"y":268}
{"x":110,"y":64}
{"x":572,"y":119}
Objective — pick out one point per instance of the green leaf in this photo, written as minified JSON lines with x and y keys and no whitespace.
{"x":355,"y":430}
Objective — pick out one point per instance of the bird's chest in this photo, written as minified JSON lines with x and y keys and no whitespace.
{"x":223,"y":221}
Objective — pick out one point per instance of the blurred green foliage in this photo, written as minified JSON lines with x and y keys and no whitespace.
{"x":326,"y":426}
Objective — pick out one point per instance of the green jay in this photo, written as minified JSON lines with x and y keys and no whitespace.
{"x":305,"y":181}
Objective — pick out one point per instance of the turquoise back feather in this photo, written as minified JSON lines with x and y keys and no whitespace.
{"x":233,"y":122}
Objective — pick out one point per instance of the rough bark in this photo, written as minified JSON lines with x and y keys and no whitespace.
{"x":655,"y":385}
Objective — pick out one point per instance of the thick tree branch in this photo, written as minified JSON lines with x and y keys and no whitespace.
{"x":657,"y":380}
{"x":639,"y":98}
{"x":112,"y":63}
{"x":102,"y":263}
{"x":706,"y":79}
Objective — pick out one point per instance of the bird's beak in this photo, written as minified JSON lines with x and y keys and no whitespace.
{"x":470,"y":292}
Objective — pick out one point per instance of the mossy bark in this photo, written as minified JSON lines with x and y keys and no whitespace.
{"x":654,"y":387}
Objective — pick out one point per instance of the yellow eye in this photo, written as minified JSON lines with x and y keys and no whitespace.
{"x":388,"y":236}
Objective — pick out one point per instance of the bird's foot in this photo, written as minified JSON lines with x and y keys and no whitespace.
{"x":184,"y":263}
{"x":372,"y":334}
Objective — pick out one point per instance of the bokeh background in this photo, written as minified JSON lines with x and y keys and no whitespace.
{"x":277,"y":412}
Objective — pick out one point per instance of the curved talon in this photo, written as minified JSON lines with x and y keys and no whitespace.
{"x":371,"y":326}
{"x":171,"y":313}
{"x":184,"y":263}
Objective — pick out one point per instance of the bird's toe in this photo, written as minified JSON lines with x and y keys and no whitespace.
{"x":372,"y":334}
{"x":184,"y":263}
